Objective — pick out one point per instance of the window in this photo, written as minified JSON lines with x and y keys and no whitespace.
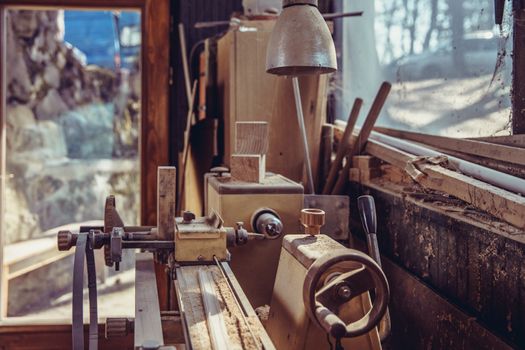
{"x":72,"y":125}
{"x":450,"y":65}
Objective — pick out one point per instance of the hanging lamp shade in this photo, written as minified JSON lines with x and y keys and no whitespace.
{"x":301,"y":42}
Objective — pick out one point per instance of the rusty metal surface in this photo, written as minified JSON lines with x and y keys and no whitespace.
{"x":337,"y":209}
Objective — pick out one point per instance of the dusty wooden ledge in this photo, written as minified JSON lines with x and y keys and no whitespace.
{"x":469,"y":257}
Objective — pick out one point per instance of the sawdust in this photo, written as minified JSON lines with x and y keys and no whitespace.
{"x":238,"y":331}
{"x":239,"y":335}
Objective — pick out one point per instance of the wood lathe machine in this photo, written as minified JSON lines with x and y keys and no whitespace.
{"x":220,"y":269}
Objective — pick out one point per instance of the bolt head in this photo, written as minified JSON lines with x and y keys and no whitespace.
{"x":344,"y":292}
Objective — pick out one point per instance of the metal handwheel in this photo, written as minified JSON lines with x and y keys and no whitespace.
{"x":328,"y":288}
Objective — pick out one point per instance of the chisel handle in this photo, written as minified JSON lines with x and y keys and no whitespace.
{"x":367,"y":212}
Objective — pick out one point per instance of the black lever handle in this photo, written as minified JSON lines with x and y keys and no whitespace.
{"x":367,"y":212}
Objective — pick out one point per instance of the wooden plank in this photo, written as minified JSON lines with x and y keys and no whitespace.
{"x":251,"y":137}
{"x":167,"y":191}
{"x":486,"y":237}
{"x":31,"y":336}
{"x":507,"y":154}
{"x":247,"y":167}
{"x":500,"y":203}
{"x":422,"y":319}
{"x":511,"y":140}
{"x":504,"y":167}
{"x":148,"y":325}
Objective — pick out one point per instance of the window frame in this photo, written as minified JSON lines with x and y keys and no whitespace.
{"x":154,"y":125}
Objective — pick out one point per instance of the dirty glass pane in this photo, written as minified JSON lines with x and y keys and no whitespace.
{"x":449,"y":64}
{"x":72,"y":138}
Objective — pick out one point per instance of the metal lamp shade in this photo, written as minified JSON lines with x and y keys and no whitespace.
{"x":300,"y":43}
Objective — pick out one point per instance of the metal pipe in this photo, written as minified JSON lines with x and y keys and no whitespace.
{"x":300,"y":119}
{"x":493,"y":177}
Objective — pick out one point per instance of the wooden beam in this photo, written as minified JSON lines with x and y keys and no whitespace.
{"x":502,"y":204}
{"x":504,"y":153}
{"x":154,"y":148}
{"x":148,"y":325}
{"x":510,"y":140}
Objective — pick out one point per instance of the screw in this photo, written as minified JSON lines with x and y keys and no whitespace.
{"x":200,"y":258}
{"x":344,"y":292}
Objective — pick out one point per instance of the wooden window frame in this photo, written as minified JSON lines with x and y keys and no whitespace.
{"x":154,"y":128}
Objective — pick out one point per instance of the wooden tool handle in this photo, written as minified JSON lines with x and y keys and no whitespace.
{"x":343,"y":147}
{"x":364,"y":133}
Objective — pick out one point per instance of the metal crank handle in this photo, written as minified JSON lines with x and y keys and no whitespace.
{"x":330,"y":322}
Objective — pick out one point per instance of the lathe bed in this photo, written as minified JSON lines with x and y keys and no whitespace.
{"x":243,"y":328}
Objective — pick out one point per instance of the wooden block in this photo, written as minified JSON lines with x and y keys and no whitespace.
{"x":248,"y":167}
{"x":251,"y":138}
{"x":166,"y":188}
{"x":363,"y":176}
{"x":394,"y":174}
{"x":354,"y":175}
{"x":365,"y":162}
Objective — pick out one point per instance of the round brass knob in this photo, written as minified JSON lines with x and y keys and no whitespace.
{"x":312,"y":220}
{"x":66,"y":240}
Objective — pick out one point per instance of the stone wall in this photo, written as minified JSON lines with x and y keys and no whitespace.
{"x":65,"y":121}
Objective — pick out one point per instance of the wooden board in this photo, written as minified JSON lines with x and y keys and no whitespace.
{"x":34,"y":336}
{"x":248,"y":93}
{"x":167,"y":191}
{"x":511,"y":140}
{"x":504,"y":153}
{"x":419,"y":314}
{"x":148,"y":325}
{"x":470,"y":258}
{"x":500,"y":203}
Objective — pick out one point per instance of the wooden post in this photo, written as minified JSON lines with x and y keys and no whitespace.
{"x":167,"y":191}
{"x":518,"y":83}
